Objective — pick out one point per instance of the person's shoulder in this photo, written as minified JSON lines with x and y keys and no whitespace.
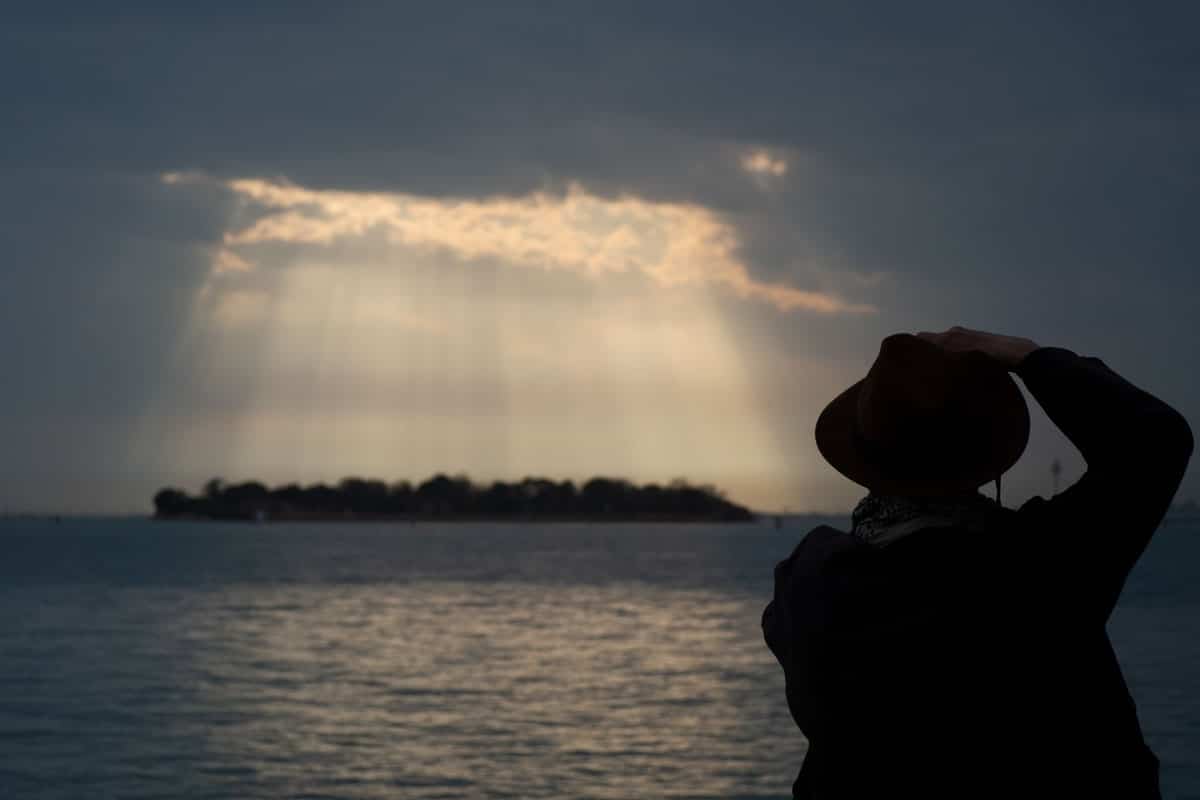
{"x":812,"y":560}
{"x":827,"y":537}
{"x":825,"y":533}
{"x":1036,"y":512}
{"x":822,"y":544}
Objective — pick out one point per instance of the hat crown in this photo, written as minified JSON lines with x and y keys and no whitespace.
{"x":916,"y":393}
{"x":925,"y":419}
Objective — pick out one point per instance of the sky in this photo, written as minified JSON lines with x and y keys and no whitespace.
{"x":296,"y":242}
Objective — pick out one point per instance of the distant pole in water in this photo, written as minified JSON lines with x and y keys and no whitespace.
{"x":1055,"y":471}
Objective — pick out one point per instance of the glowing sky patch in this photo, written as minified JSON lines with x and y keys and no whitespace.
{"x":764,"y":164}
{"x":226,"y":260}
{"x":358,"y":368}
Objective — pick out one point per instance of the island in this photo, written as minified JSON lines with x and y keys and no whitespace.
{"x":443,"y":497}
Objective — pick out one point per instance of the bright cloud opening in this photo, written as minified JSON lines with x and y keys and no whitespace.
{"x":674,"y":244}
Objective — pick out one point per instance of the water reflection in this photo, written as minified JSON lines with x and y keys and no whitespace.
{"x":499,"y":690}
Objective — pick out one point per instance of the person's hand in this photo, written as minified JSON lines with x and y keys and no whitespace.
{"x":1008,"y":350}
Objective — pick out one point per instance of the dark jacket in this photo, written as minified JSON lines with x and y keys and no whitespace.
{"x":948,"y":665}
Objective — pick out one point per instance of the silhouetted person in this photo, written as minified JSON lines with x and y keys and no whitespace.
{"x":947,"y":646}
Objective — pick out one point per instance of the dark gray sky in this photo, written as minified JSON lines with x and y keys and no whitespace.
{"x":503,"y":238}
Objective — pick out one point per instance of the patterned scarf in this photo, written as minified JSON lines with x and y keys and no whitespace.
{"x":882,"y":519}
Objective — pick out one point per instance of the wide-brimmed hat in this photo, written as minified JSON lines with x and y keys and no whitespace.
{"x":925,"y":421}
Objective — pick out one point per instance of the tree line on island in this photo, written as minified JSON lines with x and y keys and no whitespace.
{"x":445,"y":497}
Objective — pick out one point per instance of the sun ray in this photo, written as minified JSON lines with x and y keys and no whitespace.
{"x":366,"y":341}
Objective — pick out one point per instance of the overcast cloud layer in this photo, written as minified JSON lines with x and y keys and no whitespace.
{"x":839,"y":175}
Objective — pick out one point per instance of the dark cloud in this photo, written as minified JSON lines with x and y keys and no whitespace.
{"x":1025,"y":166}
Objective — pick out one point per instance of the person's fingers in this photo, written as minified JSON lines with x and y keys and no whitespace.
{"x":956,"y":338}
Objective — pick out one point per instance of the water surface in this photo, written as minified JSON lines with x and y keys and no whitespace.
{"x":142,"y":659}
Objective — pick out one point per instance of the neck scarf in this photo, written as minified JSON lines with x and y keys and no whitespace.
{"x":882,"y":519}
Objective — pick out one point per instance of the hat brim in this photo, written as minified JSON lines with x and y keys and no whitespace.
{"x":836,"y":440}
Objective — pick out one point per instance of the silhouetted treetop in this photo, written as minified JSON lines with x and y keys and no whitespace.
{"x":445,"y":497}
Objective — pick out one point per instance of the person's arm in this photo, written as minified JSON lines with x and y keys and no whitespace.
{"x":1136,"y":448}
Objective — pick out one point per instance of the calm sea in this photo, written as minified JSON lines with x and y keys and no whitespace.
{"x":142,"y":659}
